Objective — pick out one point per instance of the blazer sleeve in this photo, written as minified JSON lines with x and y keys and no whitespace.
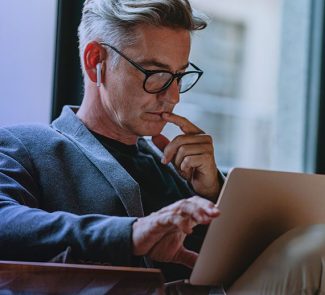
{"x":31,"y":234}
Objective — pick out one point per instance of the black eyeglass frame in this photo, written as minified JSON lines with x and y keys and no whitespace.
{"x":149,"y":73}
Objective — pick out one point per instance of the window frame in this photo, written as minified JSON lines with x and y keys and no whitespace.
{"x":315,"y":108}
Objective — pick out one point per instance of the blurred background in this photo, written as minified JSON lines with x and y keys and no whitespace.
{"x":261,"y":96}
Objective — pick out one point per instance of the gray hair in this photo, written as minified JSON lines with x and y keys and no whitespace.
{"x":115,"y":21}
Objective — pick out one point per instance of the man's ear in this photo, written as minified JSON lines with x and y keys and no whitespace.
{"x":94,"y":54}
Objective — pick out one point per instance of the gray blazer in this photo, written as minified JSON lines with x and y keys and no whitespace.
{"x":59,"y":188}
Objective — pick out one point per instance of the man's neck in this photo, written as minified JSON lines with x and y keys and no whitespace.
{"x":96,"y":119}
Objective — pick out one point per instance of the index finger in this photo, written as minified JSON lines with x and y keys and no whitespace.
{"x":185,"y":125}
{"x":195,"y":206}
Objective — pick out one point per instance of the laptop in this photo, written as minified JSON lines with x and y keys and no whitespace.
{"x":257,"y":206}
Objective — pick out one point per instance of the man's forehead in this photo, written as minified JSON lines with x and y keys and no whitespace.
{"x":163,"y":47}
{"x":162,"y":65}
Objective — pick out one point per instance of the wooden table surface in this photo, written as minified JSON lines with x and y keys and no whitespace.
{"x":56,"y":278}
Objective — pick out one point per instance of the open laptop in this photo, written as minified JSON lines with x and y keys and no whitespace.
{"x":257,"y":206}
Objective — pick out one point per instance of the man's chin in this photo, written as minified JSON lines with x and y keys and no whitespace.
{"x":153,"y":129}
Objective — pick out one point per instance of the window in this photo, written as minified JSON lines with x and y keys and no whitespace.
{"x":27,"y":38}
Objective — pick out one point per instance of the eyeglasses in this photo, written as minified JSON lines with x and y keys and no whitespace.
{"x":159,"y":80}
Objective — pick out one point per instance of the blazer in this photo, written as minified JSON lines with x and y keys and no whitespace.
{"x":59,"y":188}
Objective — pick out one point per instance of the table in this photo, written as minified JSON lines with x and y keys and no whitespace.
{"x":55,"y":278}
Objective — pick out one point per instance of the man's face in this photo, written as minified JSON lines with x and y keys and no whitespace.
{"x":131,"y":110}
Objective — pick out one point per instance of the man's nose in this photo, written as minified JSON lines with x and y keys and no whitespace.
{"x":171,"y":94}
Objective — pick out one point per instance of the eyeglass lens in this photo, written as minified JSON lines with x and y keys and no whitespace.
{"x":158,"y":81}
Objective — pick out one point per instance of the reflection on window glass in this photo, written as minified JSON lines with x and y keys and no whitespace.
{"x":237,"y":99}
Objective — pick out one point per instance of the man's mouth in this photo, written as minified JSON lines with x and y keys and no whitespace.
{"x":155,"y":116}
{"x":160,"y":112}
{"x":156,"y":113}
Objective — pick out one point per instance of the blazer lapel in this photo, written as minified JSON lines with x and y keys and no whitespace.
{"x":125,"y":186}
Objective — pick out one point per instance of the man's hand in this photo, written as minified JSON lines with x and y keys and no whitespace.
{"x":192,"y":154}
{"x":160,"y":235}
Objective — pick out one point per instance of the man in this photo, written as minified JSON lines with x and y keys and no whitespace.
{"x":89,"y":185}
{"x":91,"y":189}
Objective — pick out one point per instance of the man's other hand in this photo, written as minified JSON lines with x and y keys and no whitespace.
{"x":192,"y":154}
{"x":161,"y":234}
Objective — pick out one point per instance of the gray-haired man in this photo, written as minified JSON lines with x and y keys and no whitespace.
{"x":91,"y":186}
{"x":90,"y":182}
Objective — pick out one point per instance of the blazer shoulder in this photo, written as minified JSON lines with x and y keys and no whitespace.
{"x":28,"y":133}
{"x":27,"y":129}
